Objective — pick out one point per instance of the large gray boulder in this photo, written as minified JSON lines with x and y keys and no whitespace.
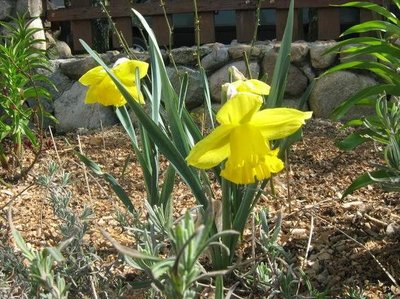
{"x":217,"y":58}
{"x":296,"y":81}
{"x":60,"y":84}
{"x":194,"y":96}
{"x":59,"y":50}
{"x":74,"y":68}
{"x":221,"y":76}
{"x":37,"y":23}
{"x":332,"y":89}
{"x":299,"y":52}
{"x":6,"y":7}
{"x":188,"y":56}
{"x":72,"y":113}
{"x":34,"y":8}
{"x":237,"y":51}
{"x":319,"y":59}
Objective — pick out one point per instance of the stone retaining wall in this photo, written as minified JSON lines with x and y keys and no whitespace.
{"x":307,"y":62}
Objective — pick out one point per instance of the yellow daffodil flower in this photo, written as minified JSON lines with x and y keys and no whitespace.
{"x":242,"y":139}
{"x":251,"y":86}
{"x":102,"y":89}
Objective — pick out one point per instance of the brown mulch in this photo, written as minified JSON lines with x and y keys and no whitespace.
{"x":349,"y":247}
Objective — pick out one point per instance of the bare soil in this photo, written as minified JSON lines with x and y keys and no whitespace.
{"x":350,"y":246}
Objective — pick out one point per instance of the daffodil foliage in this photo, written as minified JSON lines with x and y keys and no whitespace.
{"x":103,"y":90}
{"x":243,"y":138}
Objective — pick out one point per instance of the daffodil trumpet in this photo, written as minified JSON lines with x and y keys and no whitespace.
{"x":243,"y":139}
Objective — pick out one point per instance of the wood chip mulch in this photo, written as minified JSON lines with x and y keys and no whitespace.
{"x":355,"y":242}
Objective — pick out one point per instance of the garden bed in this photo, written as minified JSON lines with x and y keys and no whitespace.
{"x":348,"y":236}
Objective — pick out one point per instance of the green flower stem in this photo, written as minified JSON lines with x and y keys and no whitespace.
{"x":240,"y":219}
{"x":226,"y":219}
{"x":3,"y":158}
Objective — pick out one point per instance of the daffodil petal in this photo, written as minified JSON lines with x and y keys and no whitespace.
{"x":105,"y":93}
{"x":212,"y":150}
{"x":279,"y":123}
{"x":251,"y":157}
{"x":252,"y":86}
{"x":93,"y":76}
{"x":239,"y":109}
{"x":135,"y":93}
{"x":126,"y":71}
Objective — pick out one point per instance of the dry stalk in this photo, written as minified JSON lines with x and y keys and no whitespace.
{"x":85,"y":172}
{"x":55,"y":146}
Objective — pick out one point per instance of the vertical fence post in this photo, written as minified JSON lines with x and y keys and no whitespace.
{"x":207,"y":27}
{"x":281,"y":17}
{"x":245,"y":24}
{"x":123,"y":25}
{"x":328,"y":23}
{"x":160,"y":28}
{"x":81,"y":29}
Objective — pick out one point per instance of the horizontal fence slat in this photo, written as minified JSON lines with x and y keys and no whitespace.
{"x":153,"y":8}
{"x":81,"y":13}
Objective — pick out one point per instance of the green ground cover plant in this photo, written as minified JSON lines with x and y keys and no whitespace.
{"x":378,"y":53}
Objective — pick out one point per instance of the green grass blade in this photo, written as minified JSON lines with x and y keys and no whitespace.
{"x":123,"y":116}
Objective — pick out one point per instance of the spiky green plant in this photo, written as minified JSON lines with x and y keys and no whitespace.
{"x":21,"y":90}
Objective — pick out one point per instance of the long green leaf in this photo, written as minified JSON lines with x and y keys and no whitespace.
{"x":119,"y":191}
{"x":207,"y":97}
{"x":371,"y":91}
{"x":363,"y":41}
{"x":183,"y":92}
{"x":385,"y":72}
{"x":351,"y":141}
{"x":168,"y":94}
{"x":385,"y":52}
{"x":373,"y":7}
{"x":168,"y":186}
{"x":162,"y":141}
{"x":365,"y":180}
{"x":373,"y":26}
{"x":279,"y":79}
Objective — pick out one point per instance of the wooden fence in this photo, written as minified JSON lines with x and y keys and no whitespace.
{"x":80,"y":13}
